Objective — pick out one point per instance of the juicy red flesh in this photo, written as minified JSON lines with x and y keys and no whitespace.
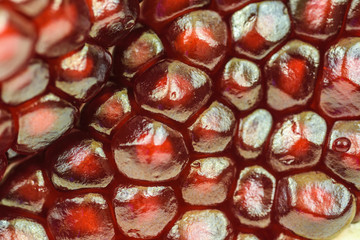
{"x":17,"y":41}
{"x":31,"y":8}
{"x":83,"y":215}
{"x":143,"y":212}
{"x":62,"y":27}
{"x":144,"y":149}
{"x":259,"y":27}
{"x":82,"y":73}
{"x":199,"y":38}
{"x":43,"y":121}
{"x":27,"y":84}
{"x":107,"y":110}
{"x":137,"y":52}
{"x":208,"y":181}
{"x":111,"y":20}
{"x":77,"y":161}
{"x":319,"y":19}
{"x":158,"y":13}
{"x":187,"y":119}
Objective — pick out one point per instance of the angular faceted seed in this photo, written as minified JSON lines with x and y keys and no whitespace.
{"x":209,"y":224}
{"x":17,"y":41}
{"x":340,"y":84}
{"x":148,"y":150}
{"x":7,"y":130}
{"x":259,"y":27}
{"x":319,"y":19}
{"x":241,"y":83}
{"x":291,"y":75}
{"x":158,"y":13}
{"x":143,"y":212}
{"x":26,"y":189}
{"x":253,"y":133}
{"x":137,"y":52}
{"x":208,"y":181}
{"x":31,"y":8}
{"x":173,"y":89}
{"x":82,"y":73}
{"x":25,"y":85}
{"x":254,"y":196}
{"x":42,"y":122}
{"x":21,"y":228}
{"x":199,"y":38}
{"x":245,"y":236}
{"x":78,"y":161}
{"x":313,"y":205}
{"x":84,"y":217}
{"x":107,"y":110}
{"x":111,"y":20}
{"x":343,"y":151}
{"x":353,"y":18}
{"x":297,"y":142}
{"x":62,"y":27}
{"x":213,"y":129}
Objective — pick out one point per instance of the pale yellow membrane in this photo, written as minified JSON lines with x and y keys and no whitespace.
{"x":350,"y":233}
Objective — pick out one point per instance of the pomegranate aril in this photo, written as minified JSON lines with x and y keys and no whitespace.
{"x":43,"y":121}
{"x":344,"y":161}
{"x":84,"y":217}
{"x":313,"y":205}
{"x":62,"y":27}
{"x":210,"y":224}
{"x":29,"y":83}
{"x":319,"y":19}
{"x":158,"y":13}
{"x":259,"y":27}
{"x":21,"y":228}
{"x":241,"y":83}
{"x":143,"y":212}
{"x":77,"y":161}
{"x":107,"y":110}
{"x":173,"y":89}
{"x":297,"y":142}
{"x":291,"y":74}
{"x":31,"y":8}
{"x":340,"y":84}
{"x":139,"y":50}
{"x":111,"y":20}
{"x":213,"y":129}
{"x":148,"y":150}
{"x":254,"y":196}
{"x":245,"y":236}
{"x":17,"y":41}
{"x":208,"y":181}
{"x":26,"y":189}
{"x":7,"y":130}
{"x":353,"y":18}
{"x":199,"y":38}
{"x":253,"y":133}
{"x":82,"y":73}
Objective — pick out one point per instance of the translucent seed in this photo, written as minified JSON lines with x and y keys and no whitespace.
{"x":342,"y":144}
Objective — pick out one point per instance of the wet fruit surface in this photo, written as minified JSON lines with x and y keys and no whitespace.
{"x":179,"y":120}
{"x":315,"y":201}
